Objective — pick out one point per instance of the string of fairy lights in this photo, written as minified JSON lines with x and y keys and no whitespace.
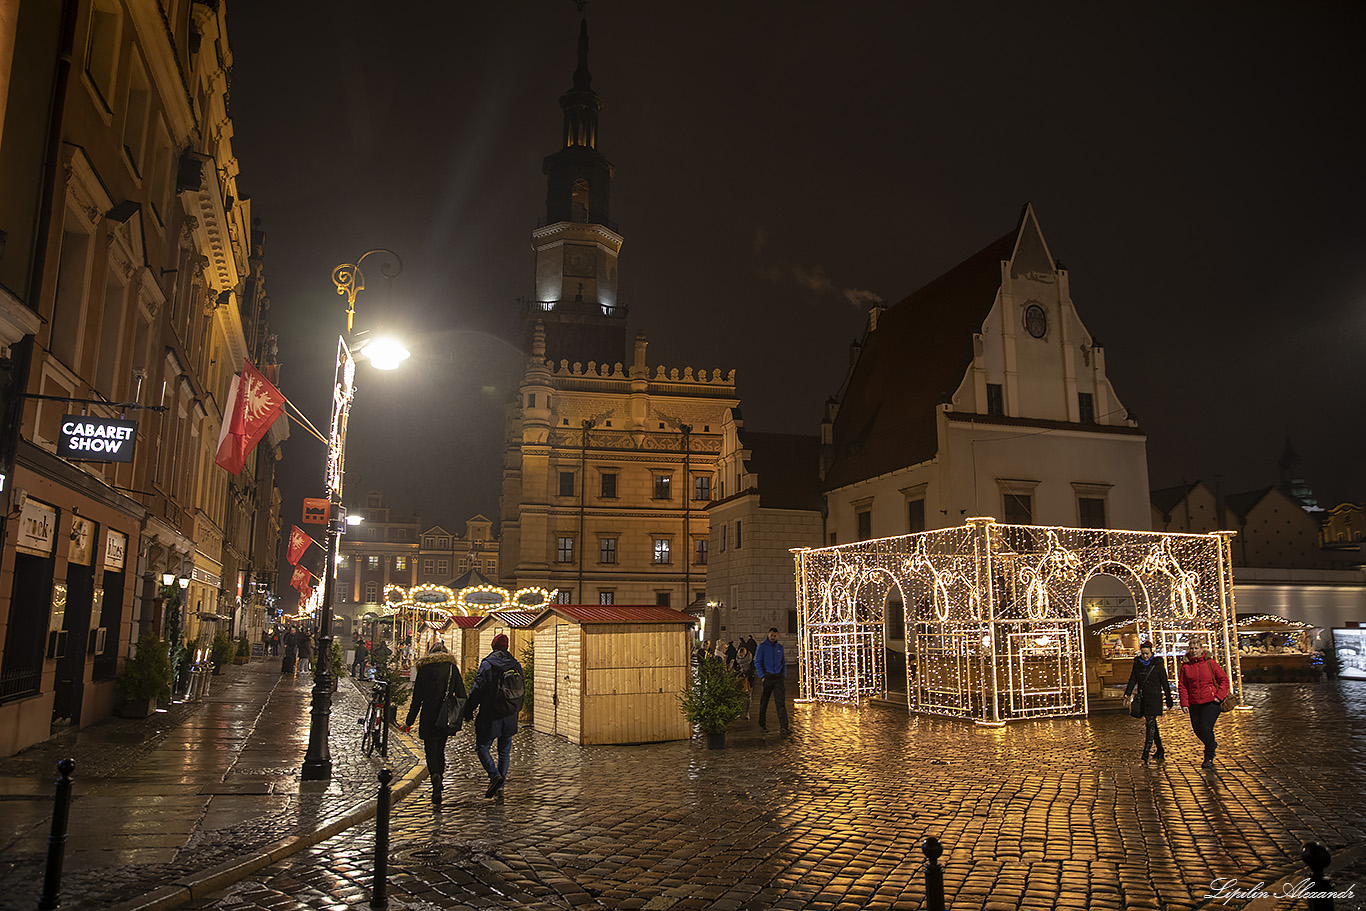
{"x":991,"y":615}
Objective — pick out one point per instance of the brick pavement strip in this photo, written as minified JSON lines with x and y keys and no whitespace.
{"x":1051,"y":814}
{"x":209,"y":856}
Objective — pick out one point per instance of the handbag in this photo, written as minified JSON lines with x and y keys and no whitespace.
{"x":1228,"y":704}
{"x":1136,"y":700}
{"x":452,"y":707}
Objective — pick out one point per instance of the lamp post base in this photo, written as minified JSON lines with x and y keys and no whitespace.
{"x":317,"y":770}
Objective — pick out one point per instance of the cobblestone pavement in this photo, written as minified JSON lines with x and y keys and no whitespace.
{"x":159,"y":799}
{"x":1049,"y":814}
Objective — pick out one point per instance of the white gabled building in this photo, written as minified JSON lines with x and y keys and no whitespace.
{"x":983,"y":394}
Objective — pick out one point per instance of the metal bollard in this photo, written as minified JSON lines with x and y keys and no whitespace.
{"x":1318,"y":858}
{"x":379,"y":894}
{"x":56,"y":841}
{"x":934,"y":874}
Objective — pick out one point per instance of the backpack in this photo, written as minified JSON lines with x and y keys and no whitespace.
{"x":511,"y":692}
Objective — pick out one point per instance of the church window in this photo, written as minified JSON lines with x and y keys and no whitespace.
{"x":996,"y":402}
{"x":566,"y":483}
{"x":701,"y":487}
{"x":663,"y":550}
{"x":609,"y":485}
{"x":580,"y":200}
{"x":865,"y":524}
{"x":1086,"y":408}
{"x":564,"y":551}
{"x":663,"y":487}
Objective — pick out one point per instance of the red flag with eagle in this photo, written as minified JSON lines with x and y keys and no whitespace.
{"x":253,"y":406}
{"x":298,"y":543}
{"x":300,"y":579}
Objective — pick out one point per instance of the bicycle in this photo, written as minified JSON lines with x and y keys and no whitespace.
{"x":373,"y":734}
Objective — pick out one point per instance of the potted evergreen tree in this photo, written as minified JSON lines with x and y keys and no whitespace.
{"x":243,"y":651}
{"x":221,"y":651}
{"x":145,"y":678}
{"x":713,"y":700}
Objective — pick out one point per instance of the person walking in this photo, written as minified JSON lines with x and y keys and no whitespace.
{"x":1202,"y":686}
{"x":305,"y":646}
{"x":730,"y":653}
{"x":497,"y":696}
{"x":1149,"y":678}
{"x":743,"y":667}
{"x":438,"y":674}
{"x":362,"y":653}
{"x":771,"y":665}
{"x":291,"y":652}
{"x":752,"y":646}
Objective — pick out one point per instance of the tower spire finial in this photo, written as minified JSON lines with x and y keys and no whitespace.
{"x":582,"y":78}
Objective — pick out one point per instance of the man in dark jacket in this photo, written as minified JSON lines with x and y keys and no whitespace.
{"x":771,"y":665}
{"x":495,"y":722}
{"x":437,"y":674}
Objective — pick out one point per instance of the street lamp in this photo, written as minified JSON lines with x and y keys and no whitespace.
{"x":385,"y":354}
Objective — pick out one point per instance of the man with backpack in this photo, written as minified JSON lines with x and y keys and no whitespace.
{"x":498,"y":693}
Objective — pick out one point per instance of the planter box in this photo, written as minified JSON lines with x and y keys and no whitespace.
{"x":139,"y":708}
{"x":716,"y":741}
{"x":240,"y":659}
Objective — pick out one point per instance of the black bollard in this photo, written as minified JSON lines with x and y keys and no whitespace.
{"x":934,"y":874}
{"x":379,"y":895}
{"x":56,"y":841}
{"x":1318,"y":858}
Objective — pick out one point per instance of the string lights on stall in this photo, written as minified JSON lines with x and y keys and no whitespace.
{"x":992,"y":613}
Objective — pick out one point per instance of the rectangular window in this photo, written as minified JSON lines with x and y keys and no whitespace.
{"x":915,"y":516}
{"x":1091,"y":512}
{"x":865,"y":525}
{"x":371,"y":592}
{"x":663,"y":599}
{"x":1086,"y":408}
{"x":724,"y":529}
{"x":700,"y":551}
{"x":663,"y":550}
{"x":372,"y":562}
{"x":566,"y":483}
{"x":564,"y":550}
{"x":607,"y":597}
{"x":609,"y":485}
{"x":663,"y":487}
{"x":834,"y":539}
{"x":737,"y":534}
{"x":443,"y":567}
{"x":701,"y":487}
{"x":607,"y":550}
{"x":792,"y":623}
{"x":1018,"y":509}
{"x":996,"y":400}
{"x":400,"y":563}
{"x":429,"y":566}
{"x":531,"y":400}
{"x":563,"y":596}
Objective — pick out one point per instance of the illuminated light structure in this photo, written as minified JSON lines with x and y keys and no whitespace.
{"x":435,"y":605}
{"x":993,"y":613}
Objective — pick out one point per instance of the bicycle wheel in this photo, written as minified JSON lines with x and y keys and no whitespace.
{"x":368,"y":740}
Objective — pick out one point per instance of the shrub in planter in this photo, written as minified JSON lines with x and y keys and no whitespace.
{"x":243,"y":651}
{"x":221,"y":651}
{"x":713,"y":700}
{"x":145,"y":678}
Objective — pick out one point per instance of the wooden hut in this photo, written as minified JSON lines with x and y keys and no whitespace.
{"x":515,"y":624}
{"x":612,"y":674}
{"x":463,"y":641}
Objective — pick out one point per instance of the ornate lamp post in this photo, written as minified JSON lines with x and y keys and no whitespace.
{"x":383,"y":354}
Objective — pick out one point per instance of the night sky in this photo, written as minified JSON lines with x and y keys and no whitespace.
{"x":1197,"y":167}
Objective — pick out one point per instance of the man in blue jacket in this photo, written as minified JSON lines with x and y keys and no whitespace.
{"x":771,"y":666}
{"x":496,"y":720}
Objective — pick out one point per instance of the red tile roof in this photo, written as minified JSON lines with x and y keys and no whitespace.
{"x":466,"y":622}
{"x":620,"y":613}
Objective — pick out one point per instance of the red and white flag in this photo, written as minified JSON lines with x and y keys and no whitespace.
{"x":300,"y":579}
{"x":253,"y":406}
{"x":298,"y":543}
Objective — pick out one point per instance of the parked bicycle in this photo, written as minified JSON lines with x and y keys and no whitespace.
{"x":374,"y":733}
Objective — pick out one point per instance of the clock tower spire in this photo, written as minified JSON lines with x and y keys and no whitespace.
{"x":576,"y":244}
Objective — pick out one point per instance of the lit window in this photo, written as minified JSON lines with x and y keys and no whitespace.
{"x":400,"y":563}
{"x":662,"y":550}
{"x":372,"y":562}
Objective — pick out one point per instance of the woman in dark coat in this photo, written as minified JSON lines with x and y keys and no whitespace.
{"x":437,"y":674}
{"x":1149,"y":677}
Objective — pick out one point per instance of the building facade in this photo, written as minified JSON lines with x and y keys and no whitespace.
{"x":129,"y":295}
{"x":610,"y":463}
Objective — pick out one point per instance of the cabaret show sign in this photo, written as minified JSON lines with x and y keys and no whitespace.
{"x":93,"y":439}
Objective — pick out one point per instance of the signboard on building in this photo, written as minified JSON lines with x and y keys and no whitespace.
{"x":37,"y":529}
{"x":94,"y":439}
{"x":82,"y":541}
{"x":115,"y":551}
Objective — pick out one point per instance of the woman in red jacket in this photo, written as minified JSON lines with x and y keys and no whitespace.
{"x":1202,"y":686}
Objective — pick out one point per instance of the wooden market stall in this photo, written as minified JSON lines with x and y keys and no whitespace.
{"x":1274,"y":649}
{"x":515,"y":624}
{"x":463,"y":641}
{"x":612,"y":674}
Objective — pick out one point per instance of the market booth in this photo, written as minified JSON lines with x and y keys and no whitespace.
{"x":1274,"y":649}
{"x":515,"y":624}
{"x":612,"y":674}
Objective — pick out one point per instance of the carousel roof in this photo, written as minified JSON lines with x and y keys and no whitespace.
{"x":1270,"y":621}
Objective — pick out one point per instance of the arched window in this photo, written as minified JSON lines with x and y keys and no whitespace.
{"x":580,"y":200}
